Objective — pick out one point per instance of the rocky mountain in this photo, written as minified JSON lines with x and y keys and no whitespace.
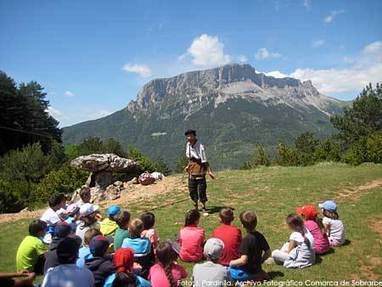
{"x":232,"y":107}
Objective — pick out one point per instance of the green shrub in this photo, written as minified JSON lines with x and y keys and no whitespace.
{"x":328,"y":150}
{"x":374,"y":148}
{"x":14,"y":195}
{"x":356,"y":153}
{"x":66,"y":180}
{"x":287,"y":156}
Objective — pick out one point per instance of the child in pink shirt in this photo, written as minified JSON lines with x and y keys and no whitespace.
{"x":311,"y":222}
{"x":148,"y":219}
{"x":166,"y":273}
{"x":191,"y":238}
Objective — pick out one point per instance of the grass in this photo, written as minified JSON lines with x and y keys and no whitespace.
{"x":272,"y":193}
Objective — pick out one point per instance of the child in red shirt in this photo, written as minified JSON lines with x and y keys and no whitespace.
{"x":230,"y":235}
{"x":191,"y":238}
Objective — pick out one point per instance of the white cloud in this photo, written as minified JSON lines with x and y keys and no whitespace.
{"x":276,"y":74}
{"x":54,"y":112}
{"x":318,"y":43}
{"x":263,"y":54}
{"x":242,"y":59}
{"x":142,"y":70}
{"x":207,"y":51}
{"x":366,"y":68}
{"x":332,"y":15}
{"x":69,"y":94}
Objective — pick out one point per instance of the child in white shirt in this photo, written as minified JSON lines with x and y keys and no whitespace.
{"x":333,"y":226}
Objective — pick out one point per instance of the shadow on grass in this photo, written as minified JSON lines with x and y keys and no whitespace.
{"x":216,"y":209}
{"x":275,"y":274}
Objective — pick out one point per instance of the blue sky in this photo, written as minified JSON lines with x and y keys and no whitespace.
{"x":93,"y":56}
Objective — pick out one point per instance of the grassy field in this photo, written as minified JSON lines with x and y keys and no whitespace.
{"x":273,"y":193}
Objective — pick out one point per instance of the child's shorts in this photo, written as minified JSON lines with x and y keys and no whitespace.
{"x":240,"y":275}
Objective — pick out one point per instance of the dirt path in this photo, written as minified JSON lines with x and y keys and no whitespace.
{"x":135,"y":193}
{"x":355,"y":192}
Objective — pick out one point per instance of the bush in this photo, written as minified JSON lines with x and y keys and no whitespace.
{"x":14,"y":195}
{"x":66,"y":180}
{"x":287,"y":156}
{"x":260,"y":157}
{"x":328,"y":150}
{"x":374,"y":148}
{"x":356,"y":153}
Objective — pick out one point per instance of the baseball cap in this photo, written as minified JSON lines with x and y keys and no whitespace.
{"x":88,"y":209}
{"x":68,"y":248}
{"x":99,"y":245}
{"x":113,"y":210}
{"x":213,"y":248}
{"x":189,"y":131}
{"x":308,"y":211}
{"x":328,"y":205}
{"x":72,"y":208}
{"x":62,"y":229}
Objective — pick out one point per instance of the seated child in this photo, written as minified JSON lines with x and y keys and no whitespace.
{"x":51,"y":216}
{"x":123,"y":220}
{"x":311,"y":222}
{"x":148,"y":219}
{"x":123,"y":260}
{"x":85,"y":196}
{"x":254,"y":250}
{"x":229,"y":234}
{"x":88,"y":219}
{"x":108,"y":225}
{"x":143,"y":252}
{"x":211,"y":273}
{"x":299,"y":251}
{"x":333,"y":226}
{"x":166,"y":272}
{"x":61,"y":231}
{"x":67,"y":273}
{"x":84,"y":252}
{"x":31,"y":251}
{"x":100,"y":264}
{"x":191,"y":238}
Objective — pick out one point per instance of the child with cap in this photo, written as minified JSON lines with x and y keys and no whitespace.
{"x":84,"y":252}
{"x":211,"y":273}
{"x":333,"y":226}
{"x":311,"y":222}
{"x":100,"y":264}
{"x":254,"y":250}
{"x":191,"y":238}
{"x":67,"y":273}
{"x":123,"y":260}
{"x":53,"y":214}
{"x":166,"y":272}
{"x":143,"y":252}
{"x":30,"y":253}
{"x":108,"y":225}
{"x":88,"y":219}
{"x":61,"y":231}
{"x":148,"y":219}
{"x":229,"y":234}
{"x":298,"y":252}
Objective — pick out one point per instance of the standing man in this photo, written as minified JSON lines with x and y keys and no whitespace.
{"x":197,"y":169}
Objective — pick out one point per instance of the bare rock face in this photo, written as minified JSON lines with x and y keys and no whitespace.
{"x":101,"y":168}
{"x":104,"y":162}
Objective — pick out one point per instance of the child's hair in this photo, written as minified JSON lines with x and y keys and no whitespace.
{"x":89,"y":234}
{"x":166,"y":256}
{"x":192,"y":217}
{"x":84,"y":192}
{"x":296,"y":223}
{"x":56,"y":199}
{"x":136,"y":227}
{"x":124,"y":279}
{"x":37,"y":226}
{"x":148,"y":219}
{"x":249,"y":220}
{"x":123,"y":219}
{"x":226,"y":215}
{"x":330,"y":214}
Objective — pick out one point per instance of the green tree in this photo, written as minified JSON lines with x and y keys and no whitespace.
{"x":362,"y":118}
{"x":287,"y":156}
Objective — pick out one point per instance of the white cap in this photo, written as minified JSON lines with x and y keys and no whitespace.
{"x":88,"y":209}
{"x":213,"y":248}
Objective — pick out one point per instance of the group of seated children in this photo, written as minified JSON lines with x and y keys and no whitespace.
{"x":85,"y":250}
